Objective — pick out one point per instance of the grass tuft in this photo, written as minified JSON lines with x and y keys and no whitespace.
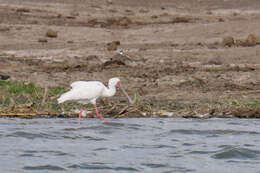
{"x":18,"y":87}
{"x":56,"y":90}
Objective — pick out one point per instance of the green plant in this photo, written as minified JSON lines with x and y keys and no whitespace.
{"x":56,"y":90}
{"x":256,"y":102}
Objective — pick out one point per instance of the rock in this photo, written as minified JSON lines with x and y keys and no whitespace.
{"x":124,"y":21}
{"x":240,"y":42}
{"x":251,"y":40}
{"x":235,"y":14}
{"x":42,"y":40}
{"x":257,"y":39}
{"x":221,"y":20}
{"x":59,"y":15}
{"x":4,"y":28}
{"x":113,"y":45}
{"x":23,"y":10}
{"x":51,"y":33}
{"x":228,"y":41}
{"x":117,"y":42}
{"x":70,"y":41}
{"x":209,"y":13}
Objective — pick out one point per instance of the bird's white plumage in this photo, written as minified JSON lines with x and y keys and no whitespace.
{"x":88,"y":91}
{"x":84,"y":92}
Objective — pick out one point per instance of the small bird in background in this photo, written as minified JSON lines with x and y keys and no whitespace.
{"x":89,"y":91}
{"x":4,"y":77}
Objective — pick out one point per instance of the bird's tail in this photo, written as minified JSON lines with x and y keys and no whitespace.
{"x":64,"y":97}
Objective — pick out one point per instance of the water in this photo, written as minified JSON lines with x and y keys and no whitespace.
{"x":130,"y":145}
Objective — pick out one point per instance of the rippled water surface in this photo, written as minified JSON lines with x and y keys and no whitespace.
{"x":130,"y":145}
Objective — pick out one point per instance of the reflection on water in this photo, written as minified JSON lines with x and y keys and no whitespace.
{"x":130,"y":145}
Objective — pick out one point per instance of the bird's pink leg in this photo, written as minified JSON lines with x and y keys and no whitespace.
{"x":99,"y":116}
{"x":79,"y":117}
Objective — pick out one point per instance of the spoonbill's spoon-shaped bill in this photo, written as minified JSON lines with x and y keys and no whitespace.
{"x":129,"y":98}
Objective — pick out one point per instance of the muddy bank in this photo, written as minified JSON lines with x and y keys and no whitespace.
{"x":190,"y":59}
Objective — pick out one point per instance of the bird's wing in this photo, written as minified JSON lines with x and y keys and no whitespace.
{"x":77,"y":84}
{"x":86,"y":90}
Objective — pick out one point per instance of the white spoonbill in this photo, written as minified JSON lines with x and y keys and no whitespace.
{"x":89,"y":91}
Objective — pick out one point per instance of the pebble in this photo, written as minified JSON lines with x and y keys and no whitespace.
{"x":228,"y":41}
{"x":51,"y":33}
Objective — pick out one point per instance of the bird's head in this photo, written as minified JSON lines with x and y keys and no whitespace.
{"x":116,"y":82}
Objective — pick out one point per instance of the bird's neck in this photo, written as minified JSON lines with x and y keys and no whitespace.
{"x":110,"y":91}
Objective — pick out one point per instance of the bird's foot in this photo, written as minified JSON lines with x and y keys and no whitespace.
{"x":102,"y":118}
